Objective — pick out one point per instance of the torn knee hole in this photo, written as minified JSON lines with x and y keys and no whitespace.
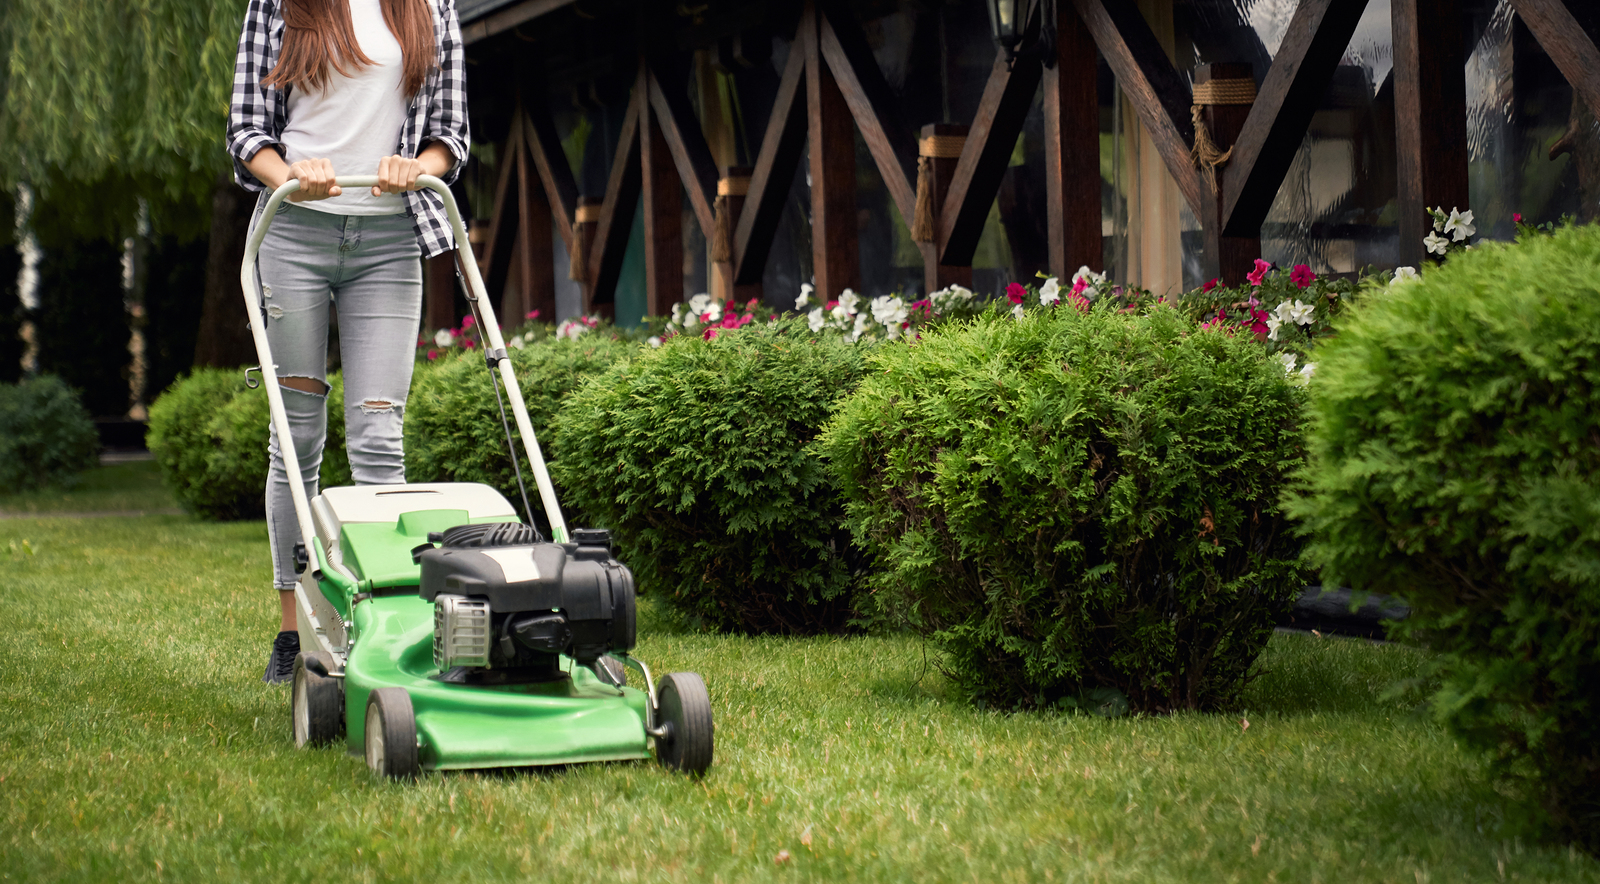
{"x":304,"y":385}
{"x":376,"y":406}
{"x":274,"y":311}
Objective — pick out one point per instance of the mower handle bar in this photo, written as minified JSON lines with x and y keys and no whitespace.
{"x":256,"y":310}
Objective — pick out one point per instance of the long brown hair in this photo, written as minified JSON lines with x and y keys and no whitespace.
{"x":318,"y":34}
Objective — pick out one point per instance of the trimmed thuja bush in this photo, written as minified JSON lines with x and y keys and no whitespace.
{"x":46,"y":436}
{"x":1077,"y":507}
{"x":1455,"y":461}
{"x":697,"y":456}
{"x":453,"y":429}
{"x":208,"y":433}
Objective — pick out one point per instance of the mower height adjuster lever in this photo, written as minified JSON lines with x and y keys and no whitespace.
{"x":301,"y":558}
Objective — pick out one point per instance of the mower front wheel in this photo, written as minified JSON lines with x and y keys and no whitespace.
{"x":391,"y":738}
{"x":684,"y":712}
{"x":317,"y":703}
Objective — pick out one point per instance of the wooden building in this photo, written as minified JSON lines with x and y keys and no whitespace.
{"x":631,"y":153}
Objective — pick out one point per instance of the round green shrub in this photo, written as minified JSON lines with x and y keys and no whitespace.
{"x":1455,"y":461}
{"x":1077,"y":508}
{"x":697,"y":456}
{"x":453,"y":429}
{"x":209,"y":434}
{"x":46,"y":435}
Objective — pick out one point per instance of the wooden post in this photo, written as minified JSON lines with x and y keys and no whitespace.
{"x":585,"y":219}
{"x":663,"y":217}
{"x":1430,"y":113}
{"x":835,"y":252}
{"x":941,"y":145}
{"x":1072,"y":148}
{"x":535,"y":250}
{"x":1225,"y":107}
{"x":439,"y":293}
{"x":732,"y":188}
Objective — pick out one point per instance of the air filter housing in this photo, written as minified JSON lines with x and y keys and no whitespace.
{"x":462,"y":631}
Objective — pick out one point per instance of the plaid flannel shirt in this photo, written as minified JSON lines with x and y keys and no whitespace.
{"x":438,"y":111}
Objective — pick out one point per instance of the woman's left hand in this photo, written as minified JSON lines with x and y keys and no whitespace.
{"x":397,"y":174}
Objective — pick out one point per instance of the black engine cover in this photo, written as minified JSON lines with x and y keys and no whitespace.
{"x":591,"y":591}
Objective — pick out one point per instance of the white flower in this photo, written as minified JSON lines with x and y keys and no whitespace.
{"x":700,"y":303}
{"x":1050,"y":292}
{"x":1436,"y":244}
{"x":1404,"y":274}
{"x":677,"y":312}
{"x":839,"y":316}
{"x":653,"y":341}
{"x":1301,"y":313}
{"x":517,"y":342}
{"x":947,"y":298}
{"x":1017,"y":312}
{"x":1288,"y":360}
{"x":888,"y":310}
{"x":1089,"y":276}
{"x":848,"y":300}
{"x":1273,"y":323}
{"x":815,"y":319}
{"x":1460,"y":225}
{"x":1438,"y":219}
{"x":714,"y":314}
{"x":570,"y":328}
{"x":690,"y":320}
{"x":443,"y":338}
{"x":892,"y":331}
{"x":1307,"y":370}
{"x":805,"y":296}
{"x":861,"y":324}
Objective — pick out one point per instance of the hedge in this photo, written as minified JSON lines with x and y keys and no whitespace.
{"x":1455,"y":461}
{"x":698,"y":457}
{"x":1077,"y":508}
{"x":46,"y":435}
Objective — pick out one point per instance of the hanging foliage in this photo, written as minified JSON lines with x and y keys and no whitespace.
{"x":131,"y":97}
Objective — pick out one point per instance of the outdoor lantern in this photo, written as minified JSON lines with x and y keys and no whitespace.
{"x":1008,"y":19}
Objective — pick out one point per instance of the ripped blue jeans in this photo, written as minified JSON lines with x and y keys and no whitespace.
{"x":367,"y":265}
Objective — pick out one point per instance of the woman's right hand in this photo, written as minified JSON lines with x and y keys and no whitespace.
{"x":316,"y":180}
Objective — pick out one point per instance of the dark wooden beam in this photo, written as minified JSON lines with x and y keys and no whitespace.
{"x":671,"y":113}
{"x":990,"y":142}
{"x":1430,"y":111}
{"x":1289,"y":96}
{"x":872,"y":103}
{"x":616,"y":213}
{"x":535,"y":250}
{"x":495,"y":261}
{"x":835,"y":250}
{"x":439,"y":277}
{"x":663,"y":215}
{"x":1568,"y":45}
{"x":1226,"y":257}
{"x":1072,"y":149}
{"x":506,"y":19}
{"x":781,"y":147}
{"x":1148,"y":80}
{"x":550,"y":160}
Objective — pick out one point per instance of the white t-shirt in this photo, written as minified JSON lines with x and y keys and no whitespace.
{"x":353,"y":121}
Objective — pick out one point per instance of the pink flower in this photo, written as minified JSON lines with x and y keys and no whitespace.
{"x":830,"y":305}
{"x":923,"y":304}
{"x":433,"y":354}
{"x":1258,"y":323}
{"x":1016,"y":292}
{"x":1516,"y":217}
{"x":466,"y":323}
{"x":745,"y":319}
{"x":467,"y":343}
{"x":1078,"y":301}
{"x":1079,"y":285}
{"x":753,"y":303}
{"x":1211,"y":285}
{"x":710,"y":333}
{"x":1301,"y":275}
{"x":1256,"y":275}
{"x":533,"y":314}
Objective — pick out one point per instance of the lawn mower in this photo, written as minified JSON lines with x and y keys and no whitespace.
{"x":440,"y":631}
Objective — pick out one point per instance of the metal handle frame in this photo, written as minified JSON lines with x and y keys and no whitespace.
{"x":256,"y":310}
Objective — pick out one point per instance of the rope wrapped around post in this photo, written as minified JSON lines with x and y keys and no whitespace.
{"x":1205,"y":154}
{"x":930,"y":148}
{"x":722,"y":225}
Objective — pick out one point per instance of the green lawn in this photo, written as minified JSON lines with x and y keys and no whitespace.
{"x":140,"y":745}
{"x":124,"y":487}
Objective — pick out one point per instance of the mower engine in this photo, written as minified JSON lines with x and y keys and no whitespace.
{"x":508,"y":604}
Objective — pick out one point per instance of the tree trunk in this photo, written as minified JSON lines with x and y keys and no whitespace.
{"x":224,"y":337}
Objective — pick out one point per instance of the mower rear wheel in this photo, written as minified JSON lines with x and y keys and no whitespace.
{"x":391,"y":738}
{"x":317,"y":704}
{"x":684,"y":711}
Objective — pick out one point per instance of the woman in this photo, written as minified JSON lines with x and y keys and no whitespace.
{"x":353,"y":87}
